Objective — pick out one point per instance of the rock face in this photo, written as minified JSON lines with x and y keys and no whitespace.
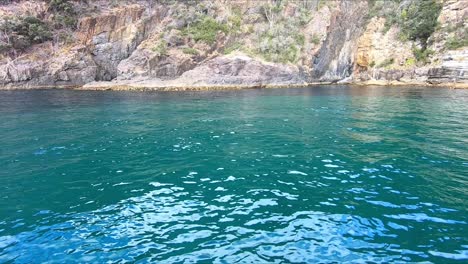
{"x":454,"y":68}
{"x":72,"y":69}
{"x":113,"y":37}
{"x":159,"y":45}
{"x":236,"y":70}
{"x":452,"y":20}
{"x":241,"y":69}
{"x":103,"y":42}
{"x":335,"y":59}
{"x":375,"y":47}
{"x":453,"y":65}
{"x":147,"y":64}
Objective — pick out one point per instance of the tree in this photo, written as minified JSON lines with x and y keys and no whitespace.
{"x":419,"y":20}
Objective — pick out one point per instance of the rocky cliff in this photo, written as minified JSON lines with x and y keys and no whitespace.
{"x":160,"y":44}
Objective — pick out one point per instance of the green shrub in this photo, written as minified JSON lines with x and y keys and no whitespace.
{"x":410,"y":62}
{"x":160,"y":48}
{"x":190,"y":51}
{"x":22,"y":32}
{"x":322,"y":3}
{"x":289,"y":55}
{"x":386,"y":63}
{"x":235,"y":23}
{"x":300,"y":39}
{"x":64,"y":21}
{"x":62,"y":6}
{"x":305,"y":16}
{"x":273,"y":49}
{"x":235,"y":20}
{"x":250,"y":29}
{"x":422,"y":54}
{"x":205,"y":30}
{"x":235,"y":46}
{"x":315,"y":39}
{"x":419,"y":20}
{"x":453,"y":44}
{"x":65,"y":15}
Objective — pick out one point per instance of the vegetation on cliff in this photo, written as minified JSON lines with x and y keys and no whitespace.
{"x":56,"y":22}
{"x":21,"y":32}
{"x":416,"y":19}
{"x":165,"y":38}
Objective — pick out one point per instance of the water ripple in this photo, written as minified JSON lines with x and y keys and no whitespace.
{"x":319,"y":175}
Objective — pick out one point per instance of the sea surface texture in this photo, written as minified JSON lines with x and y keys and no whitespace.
{"x":314,"y":175}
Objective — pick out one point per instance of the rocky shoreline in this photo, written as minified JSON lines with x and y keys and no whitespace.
{"x":110,"y":86}
{"x":234,"y":46}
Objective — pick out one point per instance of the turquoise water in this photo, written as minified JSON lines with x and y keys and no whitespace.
{"x":322,"y":174}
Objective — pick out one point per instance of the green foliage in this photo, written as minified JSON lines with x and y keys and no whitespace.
{"x":63,"y":6}
{"x":66,"y":37}
{"x":190,"y":51}
{"x":416,"y":18}
{"x":419,"y":20}
{"x":22,"y":32}
{"x":372,"y":64}
{"x":389,"y":22}
{"x":315,"y":39}
{"x":64,"y":14}
{"x":287,"y":54}
{"x":300,"y":39}
{"x":304,"y":16}
{"x":279,"y":50}
{"x":235,"y":20}
{"x":454,"y":43}
{"x":205,"y":30}
{"x":322,"y":3}
{"x":457,"y":40}
{"x":384,"y":8}
{"x":386,"y":63}
{"x":410,"y":62}
{"x":283,"y":40}
{"x":422,"y":54}
{"x":235,"y":46}
{"x":250,"y":29}
{"x":160,"y":48}
{"x":61,"y":21}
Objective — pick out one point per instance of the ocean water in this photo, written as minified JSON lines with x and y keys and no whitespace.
{"x":324,"y":174}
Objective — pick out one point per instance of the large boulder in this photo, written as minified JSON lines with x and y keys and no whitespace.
{"x":240,"y":69}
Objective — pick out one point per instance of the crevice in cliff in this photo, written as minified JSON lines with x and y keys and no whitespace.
{"x":335,"y":59}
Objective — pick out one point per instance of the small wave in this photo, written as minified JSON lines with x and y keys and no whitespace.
{"x":297,"y":172}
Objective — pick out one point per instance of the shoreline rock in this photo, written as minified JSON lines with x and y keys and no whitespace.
{"x":152,"y":47}
{"x":115,"y":86}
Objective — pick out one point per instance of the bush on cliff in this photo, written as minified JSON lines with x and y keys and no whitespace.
{"x":61,"y":6}
{"x":456,"y":43}
{"x":205,"y":30}
{"x":160,"y":48}
{"x":422,"y":54}
{"x":190,"y":51}
{"x":20,"y":33}
{"x":64,"y":14}
{"x":282,"y":39}
{"x":458,"y":40}
{"x":419,"y":20}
